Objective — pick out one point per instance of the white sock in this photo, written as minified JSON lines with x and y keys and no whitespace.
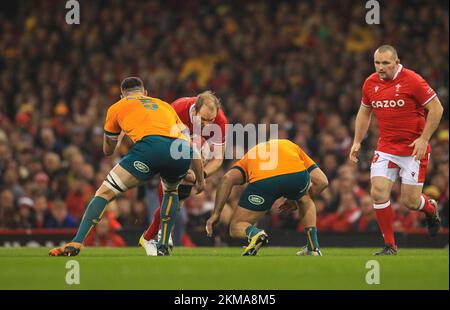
{"x":422,"y":202}
{"x":382,"y":205}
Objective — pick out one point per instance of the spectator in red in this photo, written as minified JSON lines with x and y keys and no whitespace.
{"x":78,"y":197}
{"x":406,"y":221}
{"x":104,"y":235}
{"x":344,"y":218}
{"x":367,"y":221}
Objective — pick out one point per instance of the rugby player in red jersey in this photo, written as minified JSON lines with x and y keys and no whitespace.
{"x":408,"y":112}
{"x":205,"y":112}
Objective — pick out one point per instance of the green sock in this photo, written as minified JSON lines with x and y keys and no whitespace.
{"x":169,"y":210}
{"x":311,"y":236}
{"x":91,"y":217}
{"x":252,"y":230}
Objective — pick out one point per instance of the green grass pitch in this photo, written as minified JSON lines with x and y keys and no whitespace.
{"x":224,"y":268}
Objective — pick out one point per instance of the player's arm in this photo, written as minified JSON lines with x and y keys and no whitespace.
{"x":435,"y":111}
{"x":109,"y":143}
{"x":235,"y":176}
{"x":361,"y":126}
{"x":197,"y":167}
{"x":112,"y":131}
{"x":319,"y":180}
{"x":214,"y":164}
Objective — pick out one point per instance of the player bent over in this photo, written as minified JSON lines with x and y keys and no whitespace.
{"x":287,"y":177}
{"x":202,"y":112}
{"x":156,"y":131}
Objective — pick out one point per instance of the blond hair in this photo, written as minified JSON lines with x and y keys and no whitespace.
{"x":207,"y":98}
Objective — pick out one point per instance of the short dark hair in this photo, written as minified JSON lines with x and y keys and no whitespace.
{"x":388,"y":48}
{"x":131,"y":83}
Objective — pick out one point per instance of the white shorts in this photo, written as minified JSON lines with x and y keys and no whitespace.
{"x":411,"y":170}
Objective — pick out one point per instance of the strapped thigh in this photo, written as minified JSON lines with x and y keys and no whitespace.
{"x":114,"y":183}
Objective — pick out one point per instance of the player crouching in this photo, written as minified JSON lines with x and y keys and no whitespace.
{"x":284,"y":174}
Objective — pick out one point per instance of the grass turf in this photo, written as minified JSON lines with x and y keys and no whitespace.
{"x":224,"y":268}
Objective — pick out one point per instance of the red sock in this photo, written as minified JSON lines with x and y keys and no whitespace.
{"x":427,"y":207}
{"x":152,"y":230}
{"x":385,"y":219}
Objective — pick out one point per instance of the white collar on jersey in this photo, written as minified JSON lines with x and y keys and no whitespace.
{"x":399,"y":69}
{"x":191,"y":109}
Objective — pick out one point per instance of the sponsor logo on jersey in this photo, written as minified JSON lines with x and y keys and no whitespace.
{"x":140,"y":166}
{"x":256,"y":200}
{"x":388,"y":103}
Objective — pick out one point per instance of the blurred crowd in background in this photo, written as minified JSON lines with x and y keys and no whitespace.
{"x":297,"y":64}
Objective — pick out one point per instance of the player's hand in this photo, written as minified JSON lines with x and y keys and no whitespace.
{"x":278,"y":205}
{"x":354,"y":152}
{"x":190,"y":177}
{"x":210,"y":223}
{"x":420,"y":148}
{"x":289,"y":206}
{"x":200,"y":186}
{"x":282,"y":205}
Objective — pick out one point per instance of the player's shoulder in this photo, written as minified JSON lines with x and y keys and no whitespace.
{"x":284,"y":143}
{"x":117,"y":105}
{"x":411,"y":75}
{"x":184,"y":102}
{"x":373,"y":78}
{"x":292,"y":144}
{"x":156,"y":100}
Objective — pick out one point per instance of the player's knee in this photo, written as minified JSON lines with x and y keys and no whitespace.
{"x":323,"y":183}
{"x":410,"y":201}
{"x":112,"y":187}
{"x":379,"y":194}
{"x":170,"y":187}
{"x":105,"y":193}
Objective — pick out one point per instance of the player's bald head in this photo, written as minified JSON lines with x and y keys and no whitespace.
{"x":207,"y":99}
{"x":387,"y":49}
{"x":206,"y":107}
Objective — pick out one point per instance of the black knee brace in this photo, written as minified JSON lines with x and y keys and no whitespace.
{"x":184,"y":190}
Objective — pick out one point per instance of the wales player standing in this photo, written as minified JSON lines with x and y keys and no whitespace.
{"x":154,"y":127}
{"x":399,"y":98}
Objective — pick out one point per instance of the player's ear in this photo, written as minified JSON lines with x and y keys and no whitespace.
{"x":397,"y":61}
{"x":145,"y":92}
